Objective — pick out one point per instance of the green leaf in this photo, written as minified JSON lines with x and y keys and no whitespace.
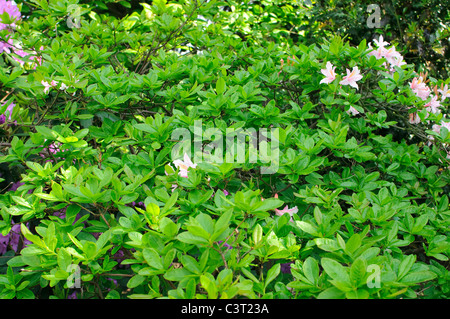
{"x":207,"y":281}
{"x":308,"y":228}
{"x":327,"y":244}
{"x":357,"y":294}
{"x":189,"y":238}
{"x":222,"y":224}
{"x":206,"y":222}
{"x":168,"y":227}
{"x":177,"y":274}
{"x":90,"y":249}
{"x":272,"y":274}
{"x":64,"y":259}
{"x":135,"y":281}
{"x":335,"y":270}
{"x":311,"y":270}
{"x":268,"y":204}
{"x":418,"y":276}
{"x":257,"y":234}
{"x":353,"y":244}
{"x":331,"y":293}
{"x":190,"y":264}
{"x":152,"y":258}
{"x":358,"y":272}
{"x":249,"y":275}
{"x":220,"y":86}
{"x":406,"y":265}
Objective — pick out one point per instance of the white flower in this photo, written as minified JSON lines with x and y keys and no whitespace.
{"x":184,"y":165}
{"x":445,"y":92}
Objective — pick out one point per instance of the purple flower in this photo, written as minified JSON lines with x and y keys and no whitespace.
{"x":4,"y":241}
{"x":72,"y":295}
{"x":5,"y":46}
{"x":9,"y":110}
{"x":60,"y":213}
{"x":113,"y":280}
{"x":15,"y":186}
{"x":225,"y":192}
{"x":96,"y":235}
{"x":12,"y":10}
{"x":119,"y":256}
{"x":286,"y":267}
{"x":225,"y":244}
{"x":138,"y":204}
{"x":12,"y":239}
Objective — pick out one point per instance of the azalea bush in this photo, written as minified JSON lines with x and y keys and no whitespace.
{"x":116,"y":181}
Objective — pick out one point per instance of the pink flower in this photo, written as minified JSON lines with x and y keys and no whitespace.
{"x":445,"y":92}
{"x":5,"y":46}
{"x":9,"y":111}
{"x":184,"y":165}
{"x":433,"y":105}
{"x":419,"y":88}
{"x":437,"y":128}
{"x":380,"y":43}
{"x":391,"y":55}
{"x":12,"y":10}
{"x":398,"y":61}
{"x":329,"y":73}
{"x":414,"y":118}
{"x":353,"y":111}
{"x":20,"y":53}
{"x":47,"y":86}
{"x":287,"y":210}
{"x":352,"y":77}
{"x":378,"y":53}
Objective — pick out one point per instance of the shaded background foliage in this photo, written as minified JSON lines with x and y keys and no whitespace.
{"x":419,"y":29}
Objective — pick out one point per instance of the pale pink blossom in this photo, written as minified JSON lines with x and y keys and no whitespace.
{"x":391,"y":55}
{"x":414,"y":118}
{"x":353,"y":111}
{"x":47,"y":86}
{"x":420,"y":88}
{"x":445,"y":92}
{"x":184,"y":165}
{"x":9,"y":7}
{"x":433,"y":105}
{"x":398,"y":61}
{"x":437,"y":128}
{"x":380,"y":43}
{"x":329,"y":73}
{"x":287,"y":210}
{"x":352,"y":77}
{"x":378,"y":53}
{"x":5,"y":46}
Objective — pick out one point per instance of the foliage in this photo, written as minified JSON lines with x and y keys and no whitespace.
{"x":358,"y":207}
